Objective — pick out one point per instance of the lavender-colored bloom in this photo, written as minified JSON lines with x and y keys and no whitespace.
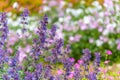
{"x":86,"y":59}
{"x":86,"y":56}
{"x":24,"y":19}
{"x":13,"y":73}
{"x":42,"y":36}
{"x":67,"y":49}
{"x":28,"y":76}
{"x":77,"y":75}
{"x":97,"y":62}
{"x":52,"y":78}
{"x":39,"y":69}
{"x":16,"y":76}
{"x":5,"y":77}
{"x":92,"y":76}
{"x":2,"y":52}
{"x":3,"y":37}
{"x":47,"y":72}
{"x":4,"y":28}
{"x":2,"y":18}
{"x":53,"y":30}
{"x":13,"y":62}
{"x":58,"y":45}
{"x":24,"y":16}
{"x":44,"y":23}
{"x":68,"y":63}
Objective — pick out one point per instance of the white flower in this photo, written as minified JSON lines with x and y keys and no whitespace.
{"x":87,"y":19}
{"x":46,"y":8}
{"x":99,"y":42}
{"x":15,"y":5}
{"x":106,"y":32}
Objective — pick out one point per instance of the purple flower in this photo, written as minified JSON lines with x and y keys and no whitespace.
{"x":58,"y":45}
{"x":68,"y":63}
{"x":24,"y":16}
{"x":86,"y":58}
{"x":44,"y":23}
{"x":3,"y":37}
{"x":97,"y":62}
{"x":28,"y":76}
{"x":5,"y":77}
{"x":92,"y":76}
{"x":39,"y":69}
{"x":13,"y":73}
{"x":67,"y":49}
{"x":24,"y":19}
{"x":53,"y":30}
{"x":52,"y":78}
{"x":14,"y":60}
{"x":47,"y":72}
{"x":4,"y":28}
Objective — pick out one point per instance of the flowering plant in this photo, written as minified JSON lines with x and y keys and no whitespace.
{"x":47,"y":52}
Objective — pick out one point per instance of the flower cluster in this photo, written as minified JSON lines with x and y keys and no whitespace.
{"x":46,"y":53}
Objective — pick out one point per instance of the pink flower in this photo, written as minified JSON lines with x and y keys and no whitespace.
{"x":107,"y":61}
{"x":22,"y":56}
{"x":80,"y":62}
{"x":108,"y":3}
{"x":100,"y":29}
{"x":59,"y":72}
{"x":52,"y":3}
{"x":118,"y":46}
{"x":71,"y":75}
{"x":109,"y":52}
{"x":111,"y":78}
{"x":77,"y":38}
{"x":77,"y":66}
{"x":72,"y":59}
{"x":10,"y":50}
{"x":103,"y":70}
{"x":83,"y":26}
{"x":91,"y":40}
{"x":119,"y":72}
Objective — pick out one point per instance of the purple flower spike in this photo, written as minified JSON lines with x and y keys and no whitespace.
{"x":92,"y":76}
{"x":97,"y":62}
{"x":24,"y":16}
{"x":47,"y":72}
{"x":44,"y":23}
{"x":53,"y":30}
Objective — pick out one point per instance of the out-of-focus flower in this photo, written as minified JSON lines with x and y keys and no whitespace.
{"x":91,"y":40}
{"x":77,"y":66}
{"x":109,"y":52}
{"x":103,"y":70}
{"x":99,"y":42}
{"x":107,"y":61}
{"x":118,"y":72}
{"x":97,"y":62}
{"x":15,"y":5}
{"x":71,"y":75}
{"x":110,"y":77}
{"x":59,"y":72}
{"x":118,"y":46}
{"x":92,"y":76}
{"x":80,"y":62}
{"x":108,"y":2}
